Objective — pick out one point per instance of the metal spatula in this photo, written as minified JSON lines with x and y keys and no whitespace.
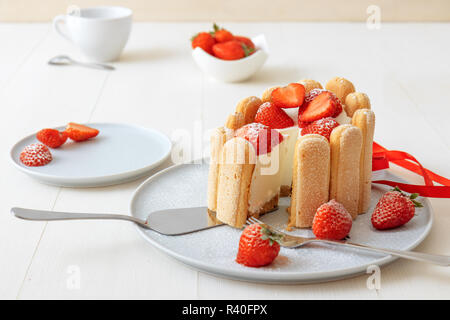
{"x":169,"y":222}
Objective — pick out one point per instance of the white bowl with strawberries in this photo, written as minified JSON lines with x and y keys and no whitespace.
{"x":227,"y":57}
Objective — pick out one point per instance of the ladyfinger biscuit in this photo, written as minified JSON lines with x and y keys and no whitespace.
{"x":364,"y":119}
{"x":267,"y":95}
{"x":311,"y":179}
{"x":341,"y":87}
{"x":235,"y":175}
{"x":218,"y":139}
{"x":355,"y":101}
{"x":235,"y":121}
{"x":248,"y":107}
{"x":345,"y":143}
{"x":310,"y":84}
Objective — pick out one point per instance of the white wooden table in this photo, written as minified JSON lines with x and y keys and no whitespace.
{"x":402,"y":67}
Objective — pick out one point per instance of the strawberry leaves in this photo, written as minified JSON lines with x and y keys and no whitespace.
{"x":412,"y":197}
{"x":271,"y":236}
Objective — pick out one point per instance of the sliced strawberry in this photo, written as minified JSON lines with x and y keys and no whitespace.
{"x":51,"y":137}
{"x":322,"y":106}
{"x":35,"y":155}
{"x":322,"y":126}
{"x":315,"y":92}
{"x":260,"y":136}
{"x":79,"y":132}
{"x":273,"y":117}
{"x":291,"y":96}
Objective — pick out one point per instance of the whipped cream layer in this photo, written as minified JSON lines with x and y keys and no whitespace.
{"x":266,"y":179}
{"x":342,"y":118}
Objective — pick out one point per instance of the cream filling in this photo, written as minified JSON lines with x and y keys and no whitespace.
{"x":342,"y":118}
{"x":265,"y":183}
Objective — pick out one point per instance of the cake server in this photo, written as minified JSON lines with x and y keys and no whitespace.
{"x":170,"y":222}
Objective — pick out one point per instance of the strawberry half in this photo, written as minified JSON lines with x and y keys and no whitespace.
{"x":35,"y":155}
{"x":51,"y":137}
{"x":325,"y":104}
{"x":323,"y":127}
{"x":79,"y":132}
{"x":260,"y":136}
{"x":273,"y":117}
{"x":257,"y":246}
{"x":332,"y":221}
{"x":394,"y":209}
{"x":291,"y":96}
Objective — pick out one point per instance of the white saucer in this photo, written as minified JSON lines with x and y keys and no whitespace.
{"x":120,"y":153}
{"x":214,"y":250}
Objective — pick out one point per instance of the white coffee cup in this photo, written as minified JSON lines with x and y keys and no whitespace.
{"x":100,"y":33}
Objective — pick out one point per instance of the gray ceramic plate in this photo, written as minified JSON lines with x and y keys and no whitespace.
{"x":115,"y":156}
{"x":214,"y":250}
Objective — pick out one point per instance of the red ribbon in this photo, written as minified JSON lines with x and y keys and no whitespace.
{"x":381,"y":158}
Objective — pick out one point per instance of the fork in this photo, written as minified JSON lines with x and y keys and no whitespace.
{"x":290,"y":241}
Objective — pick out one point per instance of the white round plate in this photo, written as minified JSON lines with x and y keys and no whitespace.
{"x":214,"y":250}
{"x":120,"y":153}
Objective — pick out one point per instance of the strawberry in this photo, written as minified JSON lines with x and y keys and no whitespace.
{"x":231,"y":50}
{"x":325,"y":104}
{"x":260,"y":136}
{"x":35,"y":155}
{"x":315,"y":92}
{"x":79,"y":132}
{"x":302,"y":124}
{"x":203,"y":40}
{"x":51,"y":137}
{"x":221,"y":35}
{"x":273,"y":117}
{"x":332,"y":221}
{"x":249,"y":43}
{"x":257,"y":246}
{"x":394,"y":209}
{"x":322,"y":126}
{"x":291,"y":96}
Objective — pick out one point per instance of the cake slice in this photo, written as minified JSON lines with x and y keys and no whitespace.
{"x":249,"y":174}
{"x":311,"y":179}
{"x":279,"y":119}
{"x":218,"y":138}
{"x":235,"y":176}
